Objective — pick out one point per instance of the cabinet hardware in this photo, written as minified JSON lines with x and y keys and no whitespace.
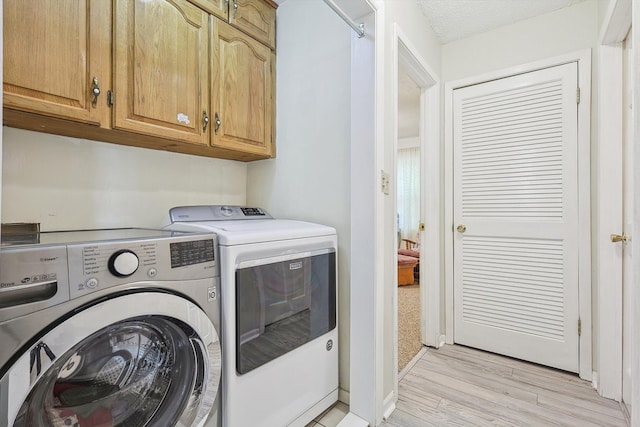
{"x":461,"y":228}
{"x":218,"y":122}
{"x":96,"y":92}
{"x":111,"y":98}
{"x":205,"y":120}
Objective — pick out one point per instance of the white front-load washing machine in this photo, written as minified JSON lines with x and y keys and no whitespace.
{"x":110,"y":327}
{"x":278,"y":296}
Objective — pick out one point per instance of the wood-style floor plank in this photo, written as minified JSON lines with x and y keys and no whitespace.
{"x":460,"y":386}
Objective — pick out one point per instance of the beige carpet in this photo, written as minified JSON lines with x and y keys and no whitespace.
{"x":409,"y":341}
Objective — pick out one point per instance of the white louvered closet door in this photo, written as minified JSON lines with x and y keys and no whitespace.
{"x":516,"y":192}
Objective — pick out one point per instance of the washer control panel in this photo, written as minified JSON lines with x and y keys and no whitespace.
{"x":94,"y":266}
{"x":64,"y":265}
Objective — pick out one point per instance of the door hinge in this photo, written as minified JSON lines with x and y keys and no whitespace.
{"x":578,"y":96}
{"x":111,"y":98}
{"x":579,"y":327}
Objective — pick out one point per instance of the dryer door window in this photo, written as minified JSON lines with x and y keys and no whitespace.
{"x":281,"y":304}
{"x":161,"y":368}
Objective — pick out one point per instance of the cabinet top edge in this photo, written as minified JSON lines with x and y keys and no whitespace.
{"x":271,"y":3}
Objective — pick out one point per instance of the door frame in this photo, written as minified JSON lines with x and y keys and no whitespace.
{"x":583,"y":58}
{"x":635,"y":375}
{"x":610,"y":199}
{"x":366,"y":334}
{"x":406,"y":55}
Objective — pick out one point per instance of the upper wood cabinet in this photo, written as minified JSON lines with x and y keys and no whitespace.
{"x":219,"y":8}
{"x":53,"y":50}
{"x":256,"y":18}
{"x":162,"y":71}
{"x":157,"y":74}
{"x":242,"y":91}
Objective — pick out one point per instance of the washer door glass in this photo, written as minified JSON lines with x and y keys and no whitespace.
{"x":146,"y":371}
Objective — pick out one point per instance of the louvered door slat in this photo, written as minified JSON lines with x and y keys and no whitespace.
{"x":515,"y":189}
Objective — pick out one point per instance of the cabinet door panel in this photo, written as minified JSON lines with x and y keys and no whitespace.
{"x":256,"y":18}
{"x":161,"y":69}
{"x":242,"y":91}
{"x":219,"y":8}
{"x":52,"y":52}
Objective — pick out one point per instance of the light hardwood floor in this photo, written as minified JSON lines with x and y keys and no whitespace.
{"x":460,"y":386}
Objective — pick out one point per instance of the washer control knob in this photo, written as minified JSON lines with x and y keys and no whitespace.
{"x":123,"y":263}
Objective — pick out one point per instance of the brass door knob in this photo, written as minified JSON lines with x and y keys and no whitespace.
{"x":461,"y":228}
{"x":615,"y":238}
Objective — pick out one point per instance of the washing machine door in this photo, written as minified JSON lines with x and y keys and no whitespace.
{"x":144,"y":359}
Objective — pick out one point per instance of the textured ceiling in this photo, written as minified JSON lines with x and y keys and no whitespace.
{"x":456,"y":19}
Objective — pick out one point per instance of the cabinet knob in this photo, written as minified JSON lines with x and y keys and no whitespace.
{"x":461,"y":228}
{"x":205,"y":120}
{"x":218,"y":122}
{"x":95,"y":89}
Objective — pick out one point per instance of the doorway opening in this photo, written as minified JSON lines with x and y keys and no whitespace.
{"x":408,"y":198}
{"x":417,"y":151}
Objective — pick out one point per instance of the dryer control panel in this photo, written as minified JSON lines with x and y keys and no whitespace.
{"x":215,"y":213}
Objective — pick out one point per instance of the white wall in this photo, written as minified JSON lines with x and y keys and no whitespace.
{"x":412,"y":142}
{"x":67,"y":183}
{"x":309,"y":178}
{"x":566,"y":30}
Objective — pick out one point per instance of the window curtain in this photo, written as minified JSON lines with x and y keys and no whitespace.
{"x":408,"y":193}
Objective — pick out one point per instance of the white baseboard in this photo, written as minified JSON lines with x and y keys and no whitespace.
{"x":389,"y":405}
{"x":352,"y":420}
{"x":442,"y":341}
{"x":343,"y":396}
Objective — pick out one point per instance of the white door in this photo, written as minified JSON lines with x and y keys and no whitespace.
{"x":627,"y":220}
{"x":516,"y":216}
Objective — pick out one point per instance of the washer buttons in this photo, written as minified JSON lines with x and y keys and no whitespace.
{"x":152,"y":272}
{"x":91,"y":283}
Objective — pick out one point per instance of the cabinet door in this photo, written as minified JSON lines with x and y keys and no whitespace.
{"x":242,"y":91}
{"x":256,"y":18}
{"x":161,"y":69}
{"x":219,"y":8}
{"x":52,"y":51}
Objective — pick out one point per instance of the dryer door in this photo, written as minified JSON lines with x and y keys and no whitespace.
{"x":144,"y":359}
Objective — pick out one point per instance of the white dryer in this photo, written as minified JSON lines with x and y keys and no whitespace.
{"x":110,"y":327}
{"x":278,"y":295}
